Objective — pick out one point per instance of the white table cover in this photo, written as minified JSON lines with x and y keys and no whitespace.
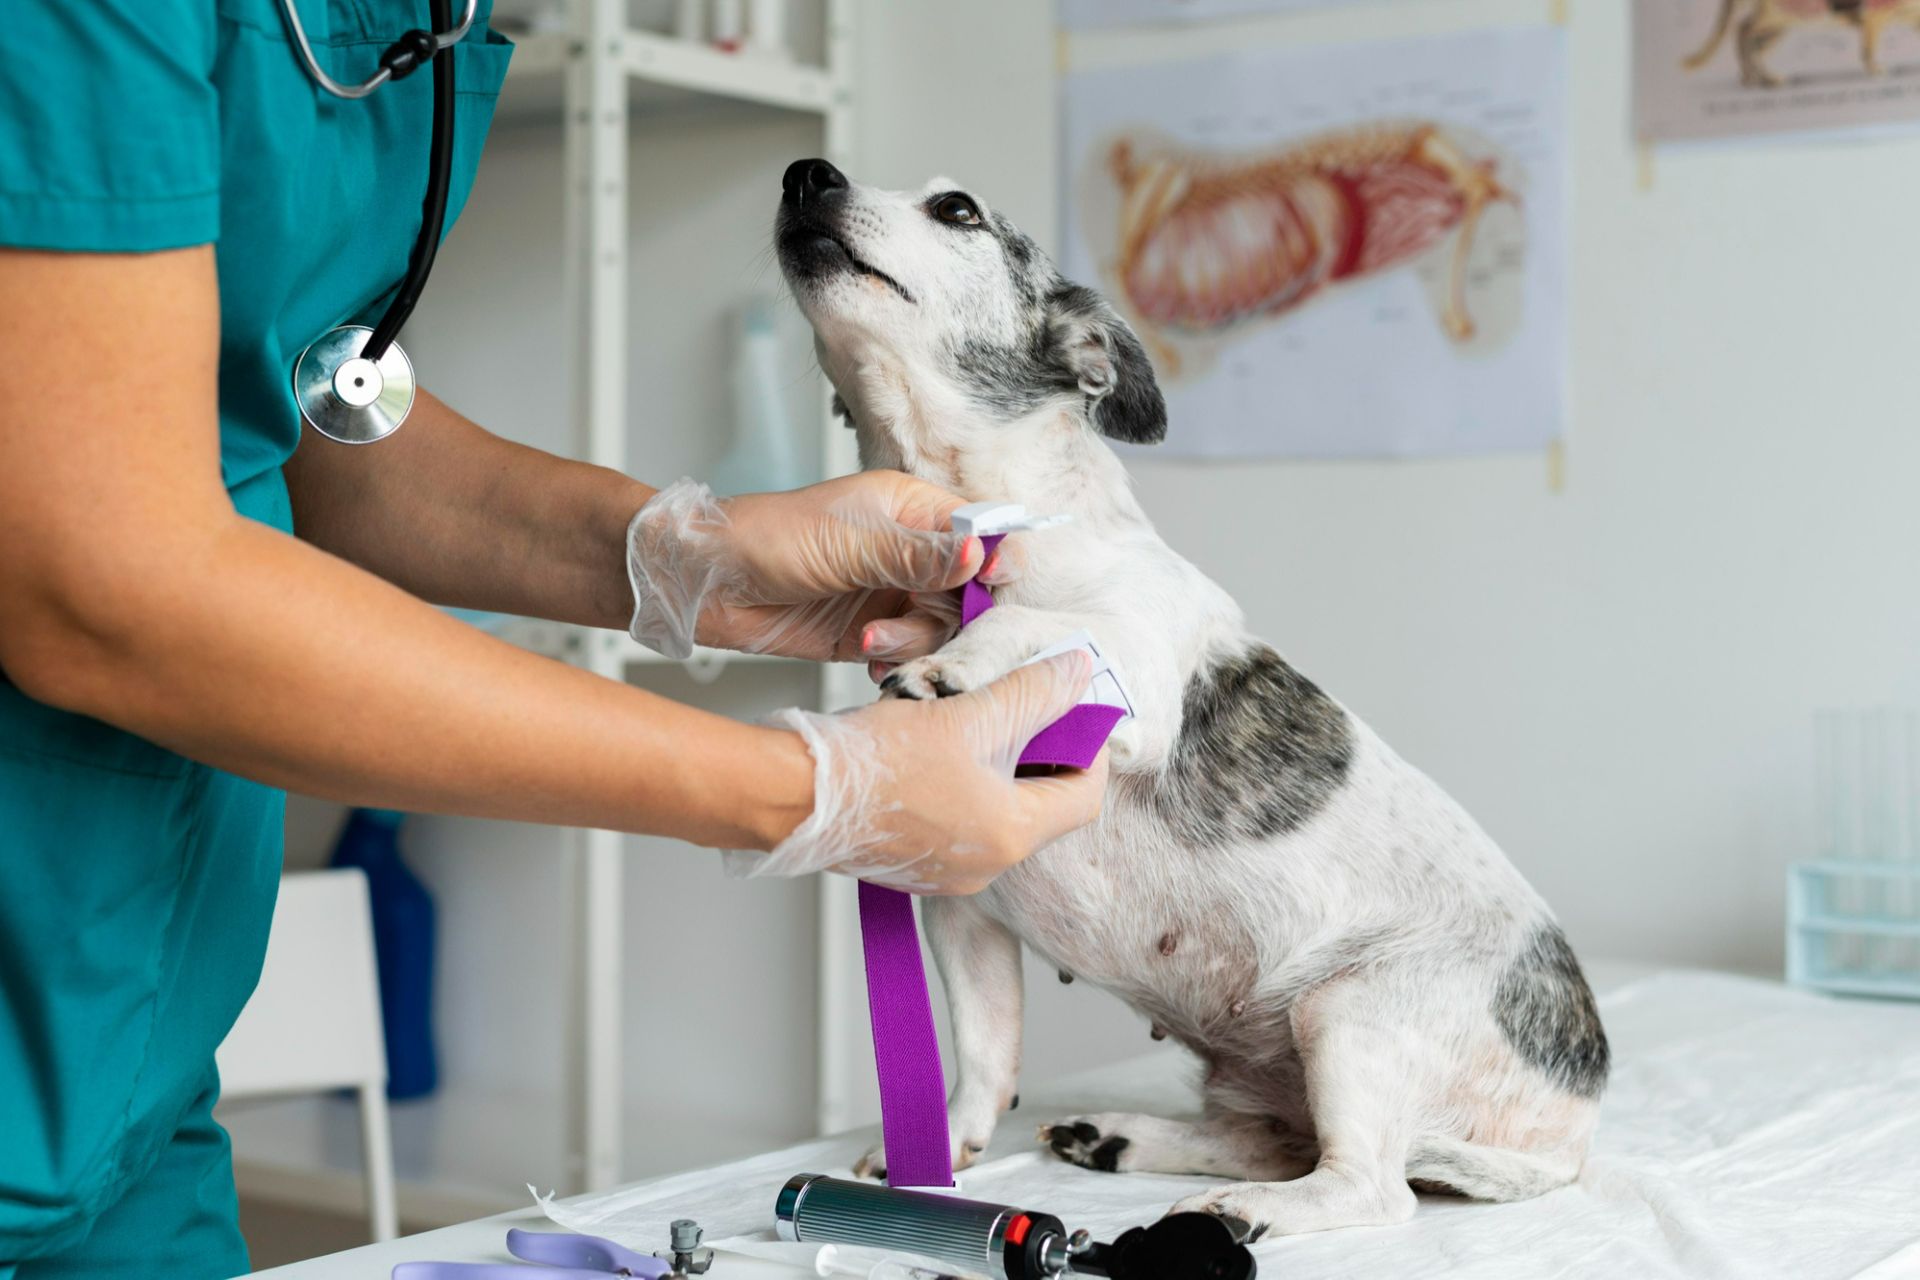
{"x":1749,"y":1131}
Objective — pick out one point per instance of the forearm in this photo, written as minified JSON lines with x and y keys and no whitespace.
{"x":238,"y":646}
{"x":459,"y":516}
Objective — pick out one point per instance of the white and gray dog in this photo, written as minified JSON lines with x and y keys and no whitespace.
{"x":1381,"y":1002}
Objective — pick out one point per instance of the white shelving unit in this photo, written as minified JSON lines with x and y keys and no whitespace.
{"x":598,"y":74}
{"x":550,"y":268}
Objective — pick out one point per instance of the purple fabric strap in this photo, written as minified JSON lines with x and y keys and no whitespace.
{"x":906,"y":1050}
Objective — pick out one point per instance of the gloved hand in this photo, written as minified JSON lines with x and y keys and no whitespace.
{"x":826,"y":572}
{"x":921,"y":795}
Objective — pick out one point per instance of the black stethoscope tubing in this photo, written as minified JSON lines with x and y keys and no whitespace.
{"x":433,"y":209}
{"x":352,"y":385}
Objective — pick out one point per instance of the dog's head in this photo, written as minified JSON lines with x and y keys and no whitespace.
{"x":946,"y":293}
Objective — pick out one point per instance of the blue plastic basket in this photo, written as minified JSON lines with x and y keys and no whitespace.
{"x":1853,"y":927}
{"x":1853,"y":914}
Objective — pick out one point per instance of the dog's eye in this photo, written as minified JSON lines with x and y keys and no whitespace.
{"x":956,"y":208}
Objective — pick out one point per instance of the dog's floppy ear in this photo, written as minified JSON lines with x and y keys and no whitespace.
{"x":1104,"y":358}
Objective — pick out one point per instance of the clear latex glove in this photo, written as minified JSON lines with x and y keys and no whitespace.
{"x":922,"y":795}
{"x":826,"y":572}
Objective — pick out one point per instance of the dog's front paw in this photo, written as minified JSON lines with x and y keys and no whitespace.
{"x":874,"y":1163}
{"x":938,"y":675}
{"x":1090,"y":1142}
{"x":1244,"y":1215}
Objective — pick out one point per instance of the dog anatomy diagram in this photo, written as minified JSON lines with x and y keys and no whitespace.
{"x":1207,"y":242}
{"x":1353,"y":251}
{"x":1720,"y":68}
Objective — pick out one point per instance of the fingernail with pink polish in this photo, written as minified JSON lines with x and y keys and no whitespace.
{"x":881,"y":639}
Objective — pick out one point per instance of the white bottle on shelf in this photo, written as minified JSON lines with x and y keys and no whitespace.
{"x":765,"y":454}
{"x":690,"y":20}
{"x":767,"y":29}
{"x":729,"y":24}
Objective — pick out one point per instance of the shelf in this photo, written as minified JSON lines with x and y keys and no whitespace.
{"x":570,"y":643}
{"x":667,"y":77}
{"x":705,"y":664}
{"x":747,"y":77}
{"x":1878,"y":926}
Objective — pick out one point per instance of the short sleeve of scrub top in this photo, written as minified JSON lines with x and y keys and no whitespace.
{"x":131,"y":164}
{"x":136,"y":885}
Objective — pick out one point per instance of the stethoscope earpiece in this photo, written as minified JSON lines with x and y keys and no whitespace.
{"x":345,"y":396}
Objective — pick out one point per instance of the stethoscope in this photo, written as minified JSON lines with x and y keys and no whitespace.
{"x":355,"y":384}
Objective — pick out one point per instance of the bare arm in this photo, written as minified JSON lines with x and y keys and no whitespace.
{"x":131,"y":591}
{"x":459,"y":516}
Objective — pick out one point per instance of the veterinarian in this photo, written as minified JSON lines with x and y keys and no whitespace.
{"x":201,"y":603}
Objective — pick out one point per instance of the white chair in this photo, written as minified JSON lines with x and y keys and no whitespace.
{"x":313,"y":1024}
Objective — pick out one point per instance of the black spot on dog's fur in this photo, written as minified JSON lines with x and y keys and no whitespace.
{"x":1074,"y":345}
{"x":1546,"y":1011}
{"x":1106,"y":1156}
{"x":1261,"y":750}
{"x":1094,"y":339}
{"x":1021,"y":254}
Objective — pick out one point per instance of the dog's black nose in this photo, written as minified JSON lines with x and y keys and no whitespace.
{"x":808,"y":180}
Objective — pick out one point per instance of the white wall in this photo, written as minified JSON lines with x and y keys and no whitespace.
{"x":1618,"y":679}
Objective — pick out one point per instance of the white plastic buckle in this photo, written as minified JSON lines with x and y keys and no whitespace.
{"x":1106,"y":687}
{"x":990,"y":519}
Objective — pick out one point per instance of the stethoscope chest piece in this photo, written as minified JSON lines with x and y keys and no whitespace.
{"x":348,"y":398}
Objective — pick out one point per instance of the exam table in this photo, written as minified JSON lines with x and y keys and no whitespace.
{"x":1750,"y":1131}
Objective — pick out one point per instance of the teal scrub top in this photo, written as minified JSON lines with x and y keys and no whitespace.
{"x":136,"y":886}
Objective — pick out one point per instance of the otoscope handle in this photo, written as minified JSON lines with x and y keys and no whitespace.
{"x":986,"y":1239}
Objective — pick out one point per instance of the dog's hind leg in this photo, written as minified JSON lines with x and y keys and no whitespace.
{"x":1706,"y":51}
{"x":1364,"y":1083}
{"x":1224,"y":1146}
{"x":979,"y":962}
{"x":1483,"y":1172}
{"x":1872,"y":25}
{"x":1758,"y":32}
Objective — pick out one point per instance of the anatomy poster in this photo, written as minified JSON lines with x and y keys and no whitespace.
{"x":1346,"y":251}
{"x":1727,"y":68}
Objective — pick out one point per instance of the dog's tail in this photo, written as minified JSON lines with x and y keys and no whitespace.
{"x":1485,"y":1173}
{"x":1712,"y":46}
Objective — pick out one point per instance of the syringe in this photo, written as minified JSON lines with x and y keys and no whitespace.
{"x":831,"y":1262}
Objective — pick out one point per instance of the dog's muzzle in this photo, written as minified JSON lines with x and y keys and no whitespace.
{"x":809,"y":239}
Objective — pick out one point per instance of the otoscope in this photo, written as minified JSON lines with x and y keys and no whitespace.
{"x":998,"y":1240}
